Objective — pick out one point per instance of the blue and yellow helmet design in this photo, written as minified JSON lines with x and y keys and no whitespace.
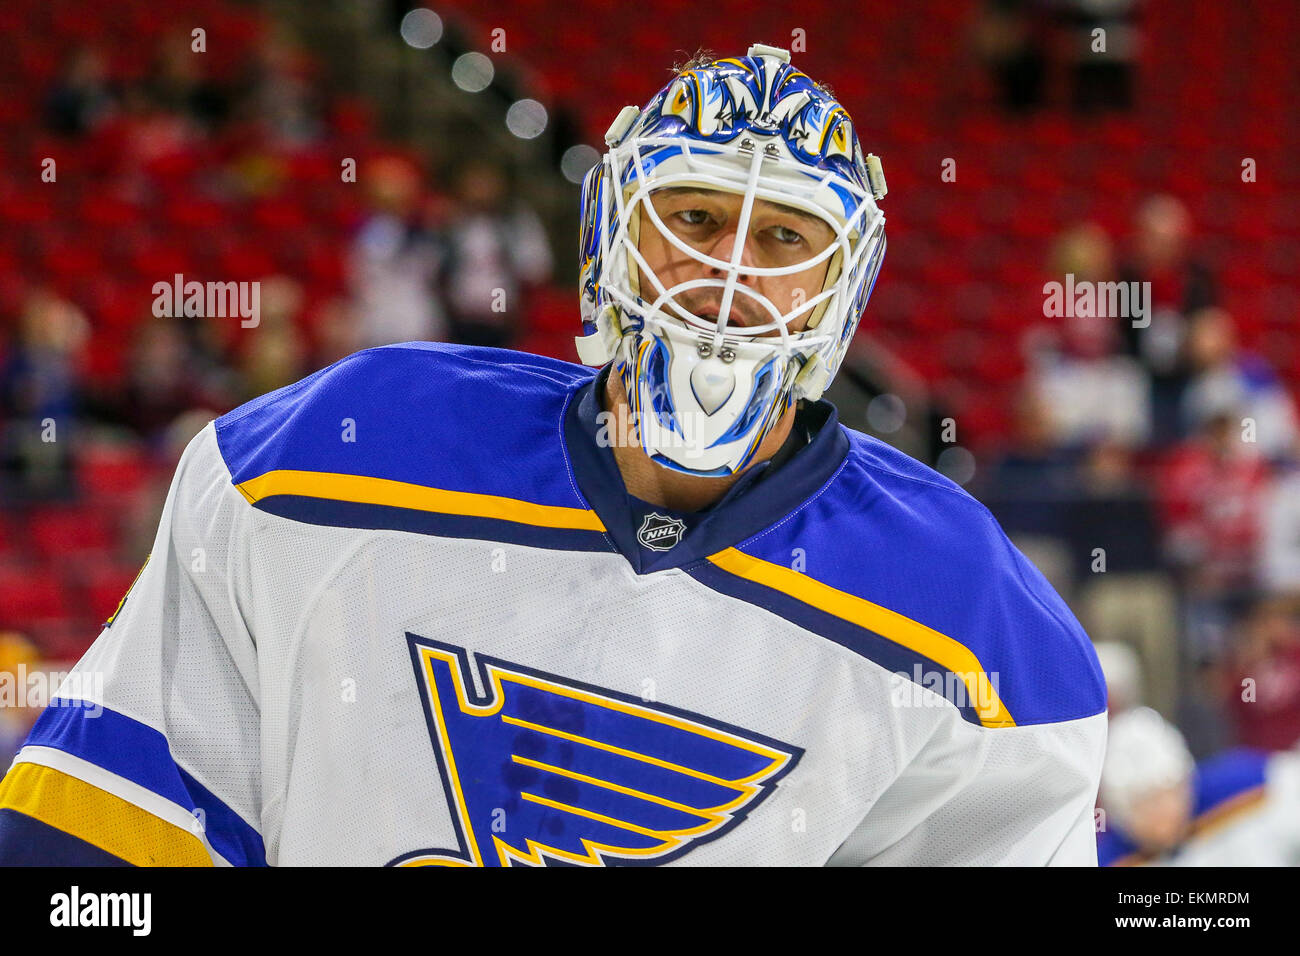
{"x":707,"y":388}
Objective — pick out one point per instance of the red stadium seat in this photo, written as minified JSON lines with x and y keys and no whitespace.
{"x":105,"y":584}
{"x":29,"y":594}
{"x":110,"y":471}
{"x":56,"y":532}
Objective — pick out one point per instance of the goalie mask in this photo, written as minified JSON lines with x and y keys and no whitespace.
{"x":706,"y":386}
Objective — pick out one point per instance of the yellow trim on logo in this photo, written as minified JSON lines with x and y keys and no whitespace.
{"x":940,"y":648}
{"x":715,"y":813}
{"x":498,"y":679}
{"x":99,"y":817}
{"x":363,"y":489}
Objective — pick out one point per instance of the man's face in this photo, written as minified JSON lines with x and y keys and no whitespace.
{"x":1161,"y":818}
{"x":706,"y":220}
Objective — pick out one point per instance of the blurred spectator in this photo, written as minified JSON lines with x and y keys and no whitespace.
{"x":1225,"y":375}
{"x":177,"y":85}
{"x":336,"y":332}
{"x":1146,"y":787}
{"x":40,"y":399}
{"x":1102,"y":47}
{"x":83,"y":96}
{"x":394,"y":260}
{"x":163,"y":379}
{"x":274,"y":351}
{"x":1084,"y":251}
{"x":1009,"y":37}
{"x":1092,"y":393}
{"x":1212,"y":492}
{"x":1123,"y":597}
{"x":1267,"y":711}
{"x":1280,"y":529}
{"x":1029,"y":487}
{"x":1122,"y":670}
{"x":1180,"y":285}
{"x":148,"y":136}
{"x":495,"y":249}
{"x":281,"y":97}
{"x":1113,"y":511}
{"x":1237,"y":808}
{"x":1161,"y":255}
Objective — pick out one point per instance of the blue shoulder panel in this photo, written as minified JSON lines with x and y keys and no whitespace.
{"x":449,"y":416}
{"x":894,"y":533}
{"x":425,"y":436}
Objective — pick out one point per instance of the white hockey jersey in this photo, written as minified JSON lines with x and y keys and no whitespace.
{"x":1245,"y":812}
{"x":404,"y":612}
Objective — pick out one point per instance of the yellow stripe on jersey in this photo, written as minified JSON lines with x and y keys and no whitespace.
{"x":362,"y":489}
{"x":1231,"y":810}
{"x":98,"y":817}
{"x":940,"y":648}
{"x":118,"y":610}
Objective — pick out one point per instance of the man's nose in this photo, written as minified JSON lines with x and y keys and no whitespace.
{"x":725,"y":248}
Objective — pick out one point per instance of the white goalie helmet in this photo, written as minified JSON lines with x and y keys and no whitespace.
{"x":1144,"y":754}
{"x":705,"y":390}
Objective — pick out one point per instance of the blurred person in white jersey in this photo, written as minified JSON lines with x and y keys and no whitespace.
{"x":1238,"y":808}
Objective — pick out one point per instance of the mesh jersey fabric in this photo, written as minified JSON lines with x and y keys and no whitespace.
{"x":388,"y":619}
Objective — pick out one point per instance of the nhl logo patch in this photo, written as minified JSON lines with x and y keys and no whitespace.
{"x":659,"y":533}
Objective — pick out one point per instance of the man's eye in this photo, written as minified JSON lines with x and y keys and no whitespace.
{"x":693,"y":217}
{"x":786,"y":235}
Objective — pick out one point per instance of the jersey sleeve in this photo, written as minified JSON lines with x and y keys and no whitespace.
{"x":149,"y":752}
{"x":1017,"y":796}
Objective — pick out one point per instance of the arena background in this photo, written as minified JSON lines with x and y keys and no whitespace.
{"x":384,"y":174}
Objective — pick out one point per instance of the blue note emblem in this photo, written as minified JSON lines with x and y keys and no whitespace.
{"x":540,"y":770}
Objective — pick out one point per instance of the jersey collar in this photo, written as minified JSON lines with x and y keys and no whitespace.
{"x":765,"y":494}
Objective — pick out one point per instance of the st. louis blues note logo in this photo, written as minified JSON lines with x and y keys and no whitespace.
{"x":540,"y":770}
